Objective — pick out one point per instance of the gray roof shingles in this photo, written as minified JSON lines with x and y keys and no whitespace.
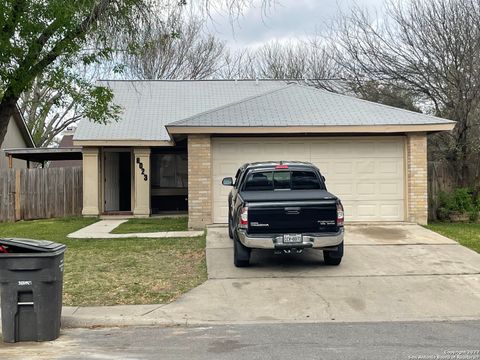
{"x":299,"y":105}
{"x":151,"y":105}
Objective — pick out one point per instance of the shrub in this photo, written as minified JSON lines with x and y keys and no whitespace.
{"x":459,"y":201}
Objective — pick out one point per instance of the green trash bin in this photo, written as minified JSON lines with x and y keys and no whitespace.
{"x":31,"y":284}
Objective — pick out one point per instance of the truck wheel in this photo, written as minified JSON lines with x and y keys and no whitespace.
{"x":241,"y":254}
{"x":230,"y":231}
{"x":333,"y":257}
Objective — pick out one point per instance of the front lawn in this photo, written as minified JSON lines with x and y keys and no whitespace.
{"x":119,"y":271}
{"x":179,"y":223}
{"x":466,"y":234}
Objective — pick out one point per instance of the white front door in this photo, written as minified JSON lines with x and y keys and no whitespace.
{"x":111,"y":181}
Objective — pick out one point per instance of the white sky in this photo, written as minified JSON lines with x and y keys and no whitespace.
{"x":289,"y":19}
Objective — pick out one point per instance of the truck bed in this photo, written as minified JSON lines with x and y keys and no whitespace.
{"x":298,"y":211}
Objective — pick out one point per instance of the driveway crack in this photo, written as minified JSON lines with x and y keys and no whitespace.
{"x":327,"y":303}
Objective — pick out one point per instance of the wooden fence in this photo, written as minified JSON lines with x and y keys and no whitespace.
{"x":27,"y":194}
{"x":439,"y":179}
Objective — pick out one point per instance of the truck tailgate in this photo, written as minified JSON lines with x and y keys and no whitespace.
{"x":308,"y":216}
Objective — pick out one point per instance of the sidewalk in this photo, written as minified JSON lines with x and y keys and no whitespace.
{"x":102,"y":228}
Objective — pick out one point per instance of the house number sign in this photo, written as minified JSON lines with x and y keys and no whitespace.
{"x":142,"y":169}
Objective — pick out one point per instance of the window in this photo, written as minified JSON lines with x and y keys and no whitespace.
{"x":259,"y":181}
{"x":169,"y":171}
{"x":282,"y":180}
{"x":305,"y":180}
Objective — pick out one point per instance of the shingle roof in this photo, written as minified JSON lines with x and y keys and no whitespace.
{"x":149,"y":105}
{"x":299,"y":105}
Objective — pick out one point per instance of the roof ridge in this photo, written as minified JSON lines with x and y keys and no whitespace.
{"x":250,"y":98}
{"x":313,"y":88}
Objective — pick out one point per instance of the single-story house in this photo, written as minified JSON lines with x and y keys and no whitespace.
{"x":17,"y":136}
{"x":176,"y":140}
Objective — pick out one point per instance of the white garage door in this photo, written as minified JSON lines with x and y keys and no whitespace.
{"x":366,"y":173}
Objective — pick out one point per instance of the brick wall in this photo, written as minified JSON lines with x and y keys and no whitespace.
{"x":199,"y":181}
{"x":417,"y":178}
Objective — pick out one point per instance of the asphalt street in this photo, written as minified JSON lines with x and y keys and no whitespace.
{"x":385,"y":340}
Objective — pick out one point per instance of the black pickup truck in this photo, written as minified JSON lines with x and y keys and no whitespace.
{"x":283,"y":206}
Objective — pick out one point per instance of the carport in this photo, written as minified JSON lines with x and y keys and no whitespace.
{"x":42,"y":155}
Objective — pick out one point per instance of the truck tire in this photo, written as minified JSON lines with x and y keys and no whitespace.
{"x":333,"y":257}
{"x":241,"y":254}
{"x":230,"y":231}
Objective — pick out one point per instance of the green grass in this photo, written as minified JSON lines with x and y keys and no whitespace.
{"x":466,"y":234}
{"x":119,"y":271}
{"x":152,"y":225}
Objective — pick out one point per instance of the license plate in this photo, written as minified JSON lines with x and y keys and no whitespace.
{"x":292,"y":238}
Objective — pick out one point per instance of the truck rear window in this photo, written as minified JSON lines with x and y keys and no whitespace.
{"x":282,"y":180}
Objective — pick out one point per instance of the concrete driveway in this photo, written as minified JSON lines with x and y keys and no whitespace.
{"x":390,"y":272}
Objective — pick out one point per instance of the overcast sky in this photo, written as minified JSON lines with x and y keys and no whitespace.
{"x":288,"y":19}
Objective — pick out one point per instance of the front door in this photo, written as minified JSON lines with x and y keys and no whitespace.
{"x":117,"y":181}
{"x":112,"y":181}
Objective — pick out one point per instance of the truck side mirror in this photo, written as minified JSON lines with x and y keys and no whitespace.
{"x":323,"y":178}
{"x":228,"y":181}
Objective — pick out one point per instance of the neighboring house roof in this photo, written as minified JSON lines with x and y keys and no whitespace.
{"x":67,"y":143}
{"x":150,"y":106}
{"x":299,"y":105}
{"x":22,"y":126}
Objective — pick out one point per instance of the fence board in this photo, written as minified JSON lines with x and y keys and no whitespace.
{"x":7,"y":195}
{"x":43,"y":193}
{"x":439,"y":180}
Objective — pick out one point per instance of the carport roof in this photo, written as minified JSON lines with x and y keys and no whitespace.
{"x":305,"y":106}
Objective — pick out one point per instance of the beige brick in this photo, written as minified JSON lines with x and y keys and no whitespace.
{"x":199,"y":181}
{"x":417,"y":177}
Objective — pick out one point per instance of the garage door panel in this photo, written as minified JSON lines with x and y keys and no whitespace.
{"x":393,"y":210}
{"x":343,"y":190}
{"x":391,"y":167}
{"x":365,"y":167}
{"x":388,"y":148}
{"x":367,"y":174}
{"x":389,"y":189}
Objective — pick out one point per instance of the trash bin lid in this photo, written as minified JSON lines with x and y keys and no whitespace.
{"x":33,"y":245}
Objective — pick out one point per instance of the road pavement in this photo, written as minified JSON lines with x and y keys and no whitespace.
{"x":372,"y":341}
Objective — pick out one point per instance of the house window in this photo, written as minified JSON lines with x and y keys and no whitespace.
{"x":169,"y":171}
{"x":169,"y":182}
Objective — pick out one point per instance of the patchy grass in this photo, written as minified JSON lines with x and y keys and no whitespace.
{"x":466,"y":234}
{"x":119,"y":271}
{"x":152,"y":225}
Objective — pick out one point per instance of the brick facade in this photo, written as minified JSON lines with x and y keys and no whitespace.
{"x":417,"y":178}
{"x":199,"y":181}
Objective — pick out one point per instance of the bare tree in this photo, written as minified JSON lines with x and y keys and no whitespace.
{"x":48,"y":110}
{"x":431,"y":49}
{"x":177,"y":48}
{"x":303,"y":60}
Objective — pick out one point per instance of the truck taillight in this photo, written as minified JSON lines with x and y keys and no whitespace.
{"x":244,"y":218}
{"x":340,"y":214}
